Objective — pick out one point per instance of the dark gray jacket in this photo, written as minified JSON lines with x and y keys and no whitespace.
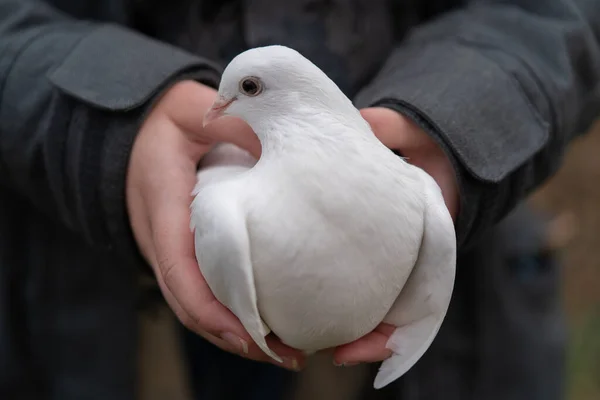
{"x":502,"y":85}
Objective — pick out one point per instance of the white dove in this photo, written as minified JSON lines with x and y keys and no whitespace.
{"x":330,"y":233}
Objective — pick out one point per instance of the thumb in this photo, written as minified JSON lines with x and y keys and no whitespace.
{"x":186,"y":104}
{"x":235,"y":131}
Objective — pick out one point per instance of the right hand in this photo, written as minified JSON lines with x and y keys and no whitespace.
{"x":160,"y":180}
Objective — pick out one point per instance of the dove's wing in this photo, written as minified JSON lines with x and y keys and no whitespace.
{"x":224,"y":161}
{"x":223,"y":254}
{"x":421,"y":307}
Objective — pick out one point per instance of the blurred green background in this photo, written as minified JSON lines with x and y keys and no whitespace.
{"x":576,"y":188}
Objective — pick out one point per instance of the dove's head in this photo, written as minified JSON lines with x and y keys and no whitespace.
{"x":266,"y":83}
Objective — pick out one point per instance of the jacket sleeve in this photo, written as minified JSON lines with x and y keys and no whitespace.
{"x":72,"y":98}
{"x":503,"y":86}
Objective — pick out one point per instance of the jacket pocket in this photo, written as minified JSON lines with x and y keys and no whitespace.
{"x":116,"y":69}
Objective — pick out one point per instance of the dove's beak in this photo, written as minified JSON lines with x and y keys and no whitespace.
{"x":217,"y":110}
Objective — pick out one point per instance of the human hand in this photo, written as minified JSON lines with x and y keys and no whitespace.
{"x":160,"y":180}
{"x":400,"y":133}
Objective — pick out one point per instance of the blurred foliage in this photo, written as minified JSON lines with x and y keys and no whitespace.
{"x":576,"y":189}
{"x":584,"y":358}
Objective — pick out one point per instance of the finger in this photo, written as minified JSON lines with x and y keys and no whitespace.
{"x":203,"y":313}
{"x":173,"y":179}
{"x":185,"y":319}
{"x":188,"y":114}
{"x":421,"y":150}
{"x":188,"y":117}
{"x":178,"y":267}
{"x":284,"y":350}
{"x":293,"y":359}
{"x":179,"y":270}
{"x":235,"y":131}
{"x":369,"y":348}
{"x":394,"y":130}
{"x":235,"y":345}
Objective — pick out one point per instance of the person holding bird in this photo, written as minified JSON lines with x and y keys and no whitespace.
{"x":101,"y":133}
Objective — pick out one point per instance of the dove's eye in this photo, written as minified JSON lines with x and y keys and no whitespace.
{"x":250,"y":86}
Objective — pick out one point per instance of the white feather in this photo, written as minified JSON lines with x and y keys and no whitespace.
{"x":329,"y":233}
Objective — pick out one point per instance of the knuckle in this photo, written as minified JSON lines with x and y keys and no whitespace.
{"x":187,"y":322}
{"x":167,"y":268}
{"x":192,"y":322}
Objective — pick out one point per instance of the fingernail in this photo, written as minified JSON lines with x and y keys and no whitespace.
{"x":235,"y":341}
{"x":291,"y":363}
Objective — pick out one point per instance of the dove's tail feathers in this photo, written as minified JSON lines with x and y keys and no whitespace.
{"x":421,"y":307}
{"x":223,"y":253}
{"x":408,"y":343}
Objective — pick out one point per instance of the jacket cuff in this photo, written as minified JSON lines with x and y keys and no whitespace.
{"x":119,"y":87}
{"x":477,"y":112}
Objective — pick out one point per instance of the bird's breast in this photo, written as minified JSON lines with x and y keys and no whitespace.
{"x":327,"y":269}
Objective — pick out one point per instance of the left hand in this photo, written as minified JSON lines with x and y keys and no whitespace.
{"x":160,"y":178}
{"x":399,"y":133}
